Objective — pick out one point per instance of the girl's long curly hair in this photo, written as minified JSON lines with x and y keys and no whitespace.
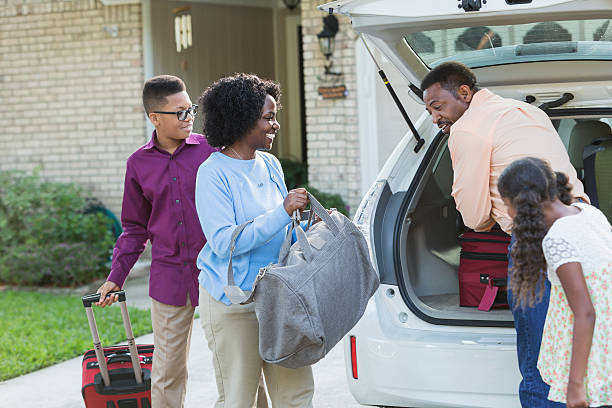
{"x":528,"y":183}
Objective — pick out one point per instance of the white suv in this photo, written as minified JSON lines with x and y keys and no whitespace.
{"x":414,"y":345}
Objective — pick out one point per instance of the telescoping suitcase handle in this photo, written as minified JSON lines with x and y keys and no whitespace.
{"x":87,"y":302}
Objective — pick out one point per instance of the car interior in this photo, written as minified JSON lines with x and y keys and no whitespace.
{"x":431,"y":259}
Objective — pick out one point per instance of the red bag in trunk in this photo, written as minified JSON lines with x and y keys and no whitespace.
{"x":483,"y":269}
{"x":110,"y":379}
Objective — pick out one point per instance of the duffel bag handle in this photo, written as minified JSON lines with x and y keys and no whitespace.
{"x":303,"y":243}
{"x":318,"y":209}
{"x":302,"y":240}
{"x":286,"y":246}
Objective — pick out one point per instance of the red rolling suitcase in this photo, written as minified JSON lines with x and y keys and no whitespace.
{"x":120,"y":376}
{"x":483,"y":269}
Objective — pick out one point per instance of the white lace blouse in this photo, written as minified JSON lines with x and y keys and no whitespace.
{"x":586,"y":238}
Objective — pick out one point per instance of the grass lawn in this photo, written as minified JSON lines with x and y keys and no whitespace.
{"x":39,"y":329}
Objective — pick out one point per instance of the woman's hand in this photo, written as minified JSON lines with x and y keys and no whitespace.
{"x":297,"y":199}
{"x":576,"y":396}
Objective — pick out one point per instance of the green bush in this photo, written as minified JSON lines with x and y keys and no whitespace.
{"x":296,"y":175}
{"x":47,"y":238}
{"x":329,"y":200}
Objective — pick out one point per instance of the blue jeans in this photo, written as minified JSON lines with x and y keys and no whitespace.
{"x":529,"y":323}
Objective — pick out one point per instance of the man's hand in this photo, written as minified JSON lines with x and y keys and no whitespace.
{"x":103,"y":290}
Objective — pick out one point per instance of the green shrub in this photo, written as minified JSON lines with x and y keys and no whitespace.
{"x":329,"y":200}
{"x":47,"y":238}
{"x":296,"y":175}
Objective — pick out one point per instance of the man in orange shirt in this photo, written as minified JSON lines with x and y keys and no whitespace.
{"x":487,"y":133}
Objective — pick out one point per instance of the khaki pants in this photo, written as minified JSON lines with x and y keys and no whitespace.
{"x":233,"y":337}
{"x":171,"y":337}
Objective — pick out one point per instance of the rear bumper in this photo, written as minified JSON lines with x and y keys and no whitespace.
{"x":417,"y":364}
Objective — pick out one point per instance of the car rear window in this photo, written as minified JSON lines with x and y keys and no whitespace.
{"x":504,"y":44}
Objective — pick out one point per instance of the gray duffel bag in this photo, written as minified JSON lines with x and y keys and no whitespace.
{"x":316,"y":292}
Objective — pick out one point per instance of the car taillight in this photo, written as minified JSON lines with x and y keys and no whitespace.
{"x":354,"y":356}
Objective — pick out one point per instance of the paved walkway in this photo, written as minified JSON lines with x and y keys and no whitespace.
{"x":59,"y":386}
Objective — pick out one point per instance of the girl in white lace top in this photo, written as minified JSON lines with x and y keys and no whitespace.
{"x":571,"y":245}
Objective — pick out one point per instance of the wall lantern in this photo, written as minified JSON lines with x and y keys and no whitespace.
{"x":291,"y":4}
{"x":182,"y":29}
{"x":327,"y":42}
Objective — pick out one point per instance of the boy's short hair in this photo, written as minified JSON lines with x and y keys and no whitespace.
{"x":156,"y":90}
{"x":450,"y":75}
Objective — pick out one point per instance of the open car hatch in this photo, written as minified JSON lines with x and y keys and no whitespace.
{"x":563,"y":46}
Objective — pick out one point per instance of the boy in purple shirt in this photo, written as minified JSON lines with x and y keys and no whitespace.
{"x":159,"y":205}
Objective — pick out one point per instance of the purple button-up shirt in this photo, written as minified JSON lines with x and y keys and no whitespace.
{"x":159,"y":205}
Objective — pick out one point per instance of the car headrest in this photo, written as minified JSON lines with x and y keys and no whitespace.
{"x":583,"y":134}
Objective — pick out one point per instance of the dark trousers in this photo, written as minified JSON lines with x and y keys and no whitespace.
{"x":529,"y":324}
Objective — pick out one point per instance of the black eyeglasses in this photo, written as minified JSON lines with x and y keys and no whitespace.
{"x":182,"y":114}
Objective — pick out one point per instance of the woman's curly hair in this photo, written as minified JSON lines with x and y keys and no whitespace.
{"x":232,"y":106}
{"x":528,"y":183}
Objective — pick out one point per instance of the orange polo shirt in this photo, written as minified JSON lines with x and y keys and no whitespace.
{"x":491,"y":134}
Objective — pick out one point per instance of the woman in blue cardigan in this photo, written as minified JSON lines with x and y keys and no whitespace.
{"x":238,"y":184}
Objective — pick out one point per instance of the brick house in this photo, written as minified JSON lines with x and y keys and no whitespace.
{"x":71,"y":73}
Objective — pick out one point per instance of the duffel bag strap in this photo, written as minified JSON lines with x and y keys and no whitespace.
{"x":301,"y":239}
{"x":233,"y":292}
{"x":302,"y":242}
{"x":286,"y":245}
{"x":300,"y":235}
